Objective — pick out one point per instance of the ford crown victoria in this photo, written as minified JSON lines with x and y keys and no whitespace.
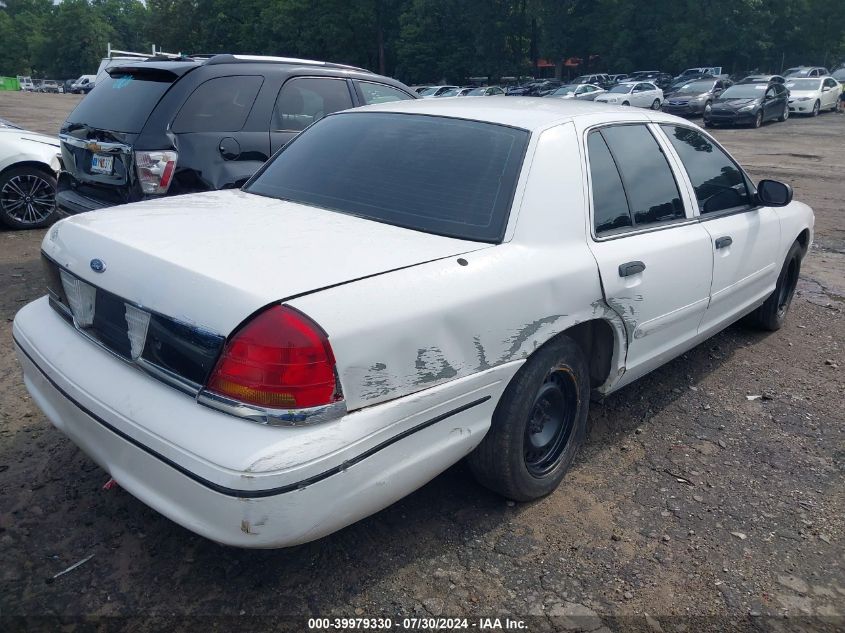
{"x":268,"y":365}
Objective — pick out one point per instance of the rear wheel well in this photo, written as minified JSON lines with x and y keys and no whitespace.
{"x":804,"y":240}
{"x":42,"y":167}
{"x":595,"y":338}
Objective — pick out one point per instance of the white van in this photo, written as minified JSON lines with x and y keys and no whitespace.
{"x":84,"y":84}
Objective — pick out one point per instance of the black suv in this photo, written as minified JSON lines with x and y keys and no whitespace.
{"x":167,"y":127}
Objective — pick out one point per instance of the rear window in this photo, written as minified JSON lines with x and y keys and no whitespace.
{"x":438,"y":175}
{"x":122,"y":103}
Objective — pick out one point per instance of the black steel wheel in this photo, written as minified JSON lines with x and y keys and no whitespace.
{"x":772,"y":314}
{"x":551,"y":422}
{"x":538,"y":425}
{"x":27,"y":198}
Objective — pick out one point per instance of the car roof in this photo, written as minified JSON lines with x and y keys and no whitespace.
{"x":529,"y":113}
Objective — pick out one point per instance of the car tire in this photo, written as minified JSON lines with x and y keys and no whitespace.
{"x":27,"y":198}
{"x":817,"y":106}
{"x":538,"y":425}
{"x":625,"y":103}
{"x":655,"y":104}
{"x":772,"y":314}
{"x":785,"y":114}
{"x":758,"y":120}
{"x":707,"y":107}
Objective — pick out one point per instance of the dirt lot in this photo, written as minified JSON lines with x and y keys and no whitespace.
{"x":692,"y":503}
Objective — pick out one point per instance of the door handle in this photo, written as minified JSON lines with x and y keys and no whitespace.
{"x":724,"y":242}
{"x":631,"y":268}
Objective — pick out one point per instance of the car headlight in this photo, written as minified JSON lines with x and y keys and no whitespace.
{"x":613,"y":100}
{"x":748,"y":108}
{"x":701,"y":97}
{"x":803,"y":98}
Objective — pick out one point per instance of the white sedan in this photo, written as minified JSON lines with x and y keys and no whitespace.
{"x":812,"y":95}
{"x":586,"y":92}
{"x":268,"y":365}
{"x":643,"y":94}
{"x":29,"y":163}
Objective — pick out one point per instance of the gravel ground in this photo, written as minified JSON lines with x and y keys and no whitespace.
{"x":710,"y":495}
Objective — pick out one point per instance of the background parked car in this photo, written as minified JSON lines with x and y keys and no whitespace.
{"x":51,"y":86}
{"x":601,"y":80}
{"x":762,"y":79}
{"x":811,"y":95}
{"x":456,"y":92}
{"x":435,"y":91}
{"x":617,"y":79}
{"x":839,"y":75}
{"x":168,"y":127}
{"x":642,"y":94}
{"x":28,"y":166}
{"x":26,"y":84}
{"x":680,"y":83}
{"x":486,"y":91}
{"x":660,"y":79}
{"x":584,"y":92}
{"x":692,"y":73}
{"x":537,"y":88}
{"x":806,"y":71}
{"x":694,"y":97}
{"x":84,"y":84}
{"x":749,"y":104}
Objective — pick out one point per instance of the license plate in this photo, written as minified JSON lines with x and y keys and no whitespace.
{"x":101,"y":164}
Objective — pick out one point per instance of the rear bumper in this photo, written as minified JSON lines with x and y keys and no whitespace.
{"x":71,"y":202}
{"x":236,"y":482}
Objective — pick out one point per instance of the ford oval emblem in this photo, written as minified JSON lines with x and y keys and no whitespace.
{"x":98,"y":265}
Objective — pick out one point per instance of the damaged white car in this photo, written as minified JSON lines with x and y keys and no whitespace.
{"x":402,"y":286}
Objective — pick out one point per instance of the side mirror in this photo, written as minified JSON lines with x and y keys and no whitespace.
{"x":826,"y":89}
{"x":773,"y":193}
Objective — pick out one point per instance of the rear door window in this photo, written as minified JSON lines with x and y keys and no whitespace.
{"x":304,"y":100}
{"x":379,"y":93}
{"x":652,"y":192}
{"x":219,"y":105}
{"x":122,"y":103}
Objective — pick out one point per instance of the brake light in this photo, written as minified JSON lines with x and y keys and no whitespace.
{"x":280,"y":359}
{"x":155,"y":170}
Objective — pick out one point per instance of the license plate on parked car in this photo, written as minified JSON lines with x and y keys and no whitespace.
{"x":101,"y":164}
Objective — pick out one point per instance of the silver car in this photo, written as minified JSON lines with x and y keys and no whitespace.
{"x":585,"y":92}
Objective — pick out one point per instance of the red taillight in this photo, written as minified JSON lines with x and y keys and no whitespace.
{"x":279,"y":360}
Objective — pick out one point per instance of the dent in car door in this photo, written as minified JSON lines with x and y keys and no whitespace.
{"x":745,"y":238}
{"x":654,"y":261}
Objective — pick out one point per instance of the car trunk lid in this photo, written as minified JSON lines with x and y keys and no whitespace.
{"x":212,"y":259}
